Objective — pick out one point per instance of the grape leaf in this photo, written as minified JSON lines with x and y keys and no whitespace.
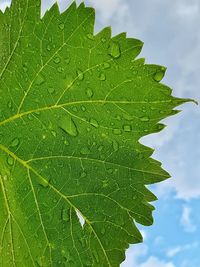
{"x":73,"y":106}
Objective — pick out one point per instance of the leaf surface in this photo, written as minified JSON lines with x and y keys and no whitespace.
{"x":73,"y":106}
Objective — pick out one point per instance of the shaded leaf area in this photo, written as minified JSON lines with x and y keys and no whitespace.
{"x":73,"y":106}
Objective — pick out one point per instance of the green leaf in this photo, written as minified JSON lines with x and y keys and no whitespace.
{"x":73,"y":106}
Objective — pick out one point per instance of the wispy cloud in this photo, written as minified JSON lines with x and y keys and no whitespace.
{"x":172,"y":252}
{"x":186,"y":220}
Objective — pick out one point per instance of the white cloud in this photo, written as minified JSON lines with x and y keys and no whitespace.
{"x":174,"y":251}
{"x":155,"y":262}
{"x":4,"y":4}
{"x":186,"y":220}
{"x":107,"y":9}
{"x":135,"y":258}
{"x":133,"y":255}
{"x":188,"y":9}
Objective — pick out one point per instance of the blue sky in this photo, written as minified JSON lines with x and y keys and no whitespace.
{"x":171,"y":33}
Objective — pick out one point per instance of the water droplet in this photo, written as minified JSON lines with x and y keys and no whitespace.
{"x":15,"y":142}
{"x":67,"y":61}
{"x":43,"y":182}
{"x":54,"y":133}
{"x":40,"y":80}
{"x":68,"y":126}
{"x":117,"y":131}
{"x":114,"y":50}
{"x":61,"y":26}
{"x":48,"y":48}
{"x":90,"y":36}
{"x":115,"y":145}
{"x":9,"y":104}
{"x":51,"y":90}
{"x":100,"y":148}
{"x":85,"y":151}
{"x":103,"y":231}
{"x":106,"y":65}
{"x":10,"y":160}
{"x":127,"y":128}
{"x":87,"y":263}
{"x":30,"y":117}
{"x":60,"y":69}
{"x":96,"y":256}
{"x":56,"y":60}
{"x":65,"y":214}
{"x":159,"y":75}
{"x":83,"y":108}
{"x":75,"y":109}
{"x":80,"y":75}
{"x":83,"y":175}
{"x":25,"y":69}
{"x":110,"y":171}
{"x":94,"y":123}
{"x":82,"y":240}
{"x":102,"y":77}
{"x":127,"y":117}
{"x":144,"y":119}
{"x":134,"y":197}
{"x":89,"y":92}
{"x":66,"y":142}
{"x":39,"y":261}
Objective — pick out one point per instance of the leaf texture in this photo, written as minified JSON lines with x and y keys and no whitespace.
{"x":73,"y":106}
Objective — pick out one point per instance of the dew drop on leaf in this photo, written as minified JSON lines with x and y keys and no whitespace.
{"x":100,"y":148}
{"x":48,"y":48}
{"x":80,"y":75}
{"x":159,"y":75}
{"x":106,"y":65}
{"x":94,"y":123}
{"x":117,"y":131}
{"x":9,"y":104}
{"x":114,"y":50}
{"x":83,"y":108}
{"x":30,"y":117}
{"x":103,"y":231}
{"x":75,"y":109}
{"x":54,"y":133}
{"x":10,"y":160}
{"x":102,"y":77}
{"x":90,"y":36}
{"x":40,"y":80}
{"x":115,"y":145}
{"x":60,"y":69}
{"x":44,"y":183}
{"x":56,"y":60}
{"x":51,"y":90}
{"x":67,"y":61}
{"x":66,"y":142}
{"x":83,"y":175}
{"x":127,"y":128}
{"x":85,"y":151}
{"x":145,"y":119}
{"x":65,"y":214}
{"x":89,"y":92}
{"x":15,"y":142}
{"x":96,"y":256}
{"x":67,"y":125}
{"x":61,"y":26}
{"x":39,"y":261}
